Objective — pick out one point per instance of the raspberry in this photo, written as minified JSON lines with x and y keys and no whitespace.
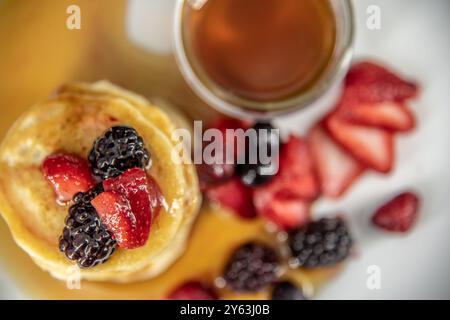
{"x":84,"y":238}
{"x":251,"y":267}
{"x":120,"y":148}
{"x":321,"y":243}
{"x":192,"y":290}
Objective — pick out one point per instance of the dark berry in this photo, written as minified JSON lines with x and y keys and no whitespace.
{"x":120,"y":148}
{"x":321,"y":243}
{"x":285,"y":290}
{"x":251,"y":267}
{"x":84,"y":238}
{"x":214,"y":174}
{"x":251,"y":171}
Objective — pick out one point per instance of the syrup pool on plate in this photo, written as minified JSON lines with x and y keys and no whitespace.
{"x":216,"y":234}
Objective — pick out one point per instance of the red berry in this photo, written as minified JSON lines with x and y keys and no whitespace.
{"x":372,"y":146}
{"x":68,"y":175}
{"x":388,"y":115}
{"x":285,"y":200}
{"x":399,"y":214}
{"x":336,"y":169}
{"x":134,"y":186}
{"x":284,"y":211}
{"x":214,"y":174}
{"x":233,"y":195}
{"x":223,"y":125}
{"x":156,"y":197}
{"x":192,"y":290}
{"x":115,"y":213}
{"x":373,"y":83}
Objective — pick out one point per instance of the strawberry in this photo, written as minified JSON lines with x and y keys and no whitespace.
{"x":296,"y":176}
{"x":388,"y":115}
{"x":285,"y":199}
{"x":233,"y":195}
{"x":214,"y":174}
{"x":68,"y":175}
{"x":134,"y":186}
{"x":156,"y":197}
{"x":284,"y":211}
{"x":192,"y":290}
{"x":399,"y":214}
{"x":336,"y":169}
{"x":115,"y":213}
{"x":372,"y":146}
{"x":373,"y":83}
{"x":223,"y":125}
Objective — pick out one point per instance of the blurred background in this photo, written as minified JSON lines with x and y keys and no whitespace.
{"x":129,"y":43}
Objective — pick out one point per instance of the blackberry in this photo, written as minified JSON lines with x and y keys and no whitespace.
{"x":84,"y":238}
{"x":251,"y":173}
{"x":285,"y":290}
{"x":321,"y":243}
{"x":120,"y":148}
{"x":251,"y":267}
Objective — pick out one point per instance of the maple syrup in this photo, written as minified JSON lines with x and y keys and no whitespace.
{"x":261,"y":50}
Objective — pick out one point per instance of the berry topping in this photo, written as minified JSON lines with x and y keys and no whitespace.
{"x":321,"y":243}
{"x":214,"y":174}
{"x":399,"y":214}
{"x":373,"y":83}
{"x":134,"y":186}
{"x":372,"y":146}
{"x":192,"y":290}
{"x":156,"y":196}
{"x":115,"y":213}
{"x":252,"y":174}
{"x":285,"y":212}
{"x":233,"y":195}
{"x":285,"y":199}
{"x":120,"y":148}
{"x":68,"y":175}
{"x":228,"y":128}
{"x":335,"y":168}
{"x":84,"y":238}
{"x":388,"y":115}
{"x":285,"y":290}
{"x":251,"y":267}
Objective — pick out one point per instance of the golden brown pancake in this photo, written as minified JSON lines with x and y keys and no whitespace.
{"x":69,"y":122}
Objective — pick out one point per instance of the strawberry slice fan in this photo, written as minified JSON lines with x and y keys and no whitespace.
{"x":355,"y":136}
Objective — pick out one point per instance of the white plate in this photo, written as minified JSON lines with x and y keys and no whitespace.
{"x":414,"y":39}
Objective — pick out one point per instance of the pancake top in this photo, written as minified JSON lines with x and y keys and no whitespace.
{"x":69,"y":122}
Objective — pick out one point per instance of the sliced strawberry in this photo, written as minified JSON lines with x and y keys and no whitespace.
{"x":284,"y":211}
{"x":285,"y":199}
{"x":214,"y":174}
{"x":399,"y":214}
{"x":227,"y":127}
{"x":68,"y":175}
{"x":388,"y":115}
{"x":134,"y":186}
{"x":192,"y":291}
{"x":233,"y":195}
{"x":115,"y":213}
{"x":336,"y":169}
{"x":156,"y":196}
{"x":296,"y":176}
{"x":372,"y":146}
{"x":373,"y":83}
